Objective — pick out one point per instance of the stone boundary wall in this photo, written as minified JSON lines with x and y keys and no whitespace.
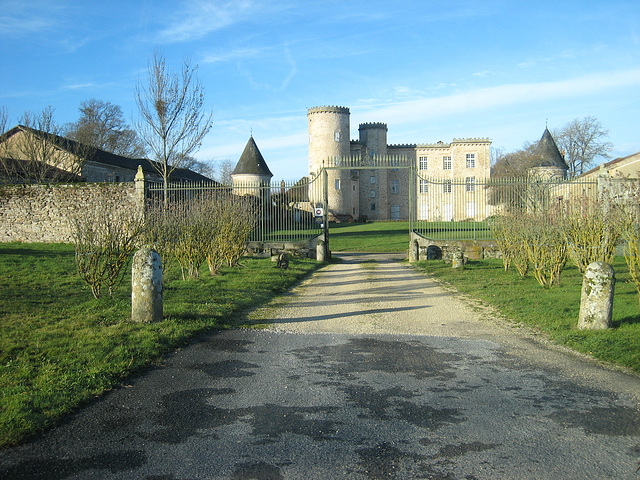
{"x":40,"y":213}
{"x":471,"y":249}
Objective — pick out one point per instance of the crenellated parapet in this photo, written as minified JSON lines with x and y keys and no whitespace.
{"x":376,"y":125}
{"x":471,"y":140}
{"x":328,"y":109}
{"x":403,"y":145}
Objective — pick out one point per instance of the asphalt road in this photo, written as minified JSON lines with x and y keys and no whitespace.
{"x":468,"y":397}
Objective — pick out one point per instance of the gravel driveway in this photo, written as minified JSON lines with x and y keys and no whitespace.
{"x":366,"y":371}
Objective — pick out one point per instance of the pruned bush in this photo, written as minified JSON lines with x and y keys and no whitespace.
{"x":213,"y":228}
{"x":510,"y":232}
{"x":591,"y":232}
{"x":546,"y":247}
{"x":105,"y":236}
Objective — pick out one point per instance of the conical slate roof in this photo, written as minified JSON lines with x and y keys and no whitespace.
{"x":251,"y":161}
{"x":549,"y":154}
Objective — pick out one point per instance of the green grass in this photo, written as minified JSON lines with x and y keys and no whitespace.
{"x":454,"y":230}
{"x":375,"y":237}
{"x":553,"y":311}
{"x":60,"y":347}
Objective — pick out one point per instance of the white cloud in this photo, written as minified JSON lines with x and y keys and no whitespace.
{"x":499,"y":96}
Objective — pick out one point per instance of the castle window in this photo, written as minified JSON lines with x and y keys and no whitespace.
{"x":336,"y":136}
{"x":471,"y":160}
{"x":373,"y":180}
{"x":423,"y":163}
{"x":470,"y":184}
{"x":373,"y":194}
{"x":373,"y":207}
{"x":337,"y":184}
{"x":446,"y":163}
{"x":446,"y":186}
{"x":424,"y":186}
{"x":395,"y":186}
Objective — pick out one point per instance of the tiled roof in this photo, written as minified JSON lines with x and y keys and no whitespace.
{"x":549,"y":154}
{"x":251,"y":161}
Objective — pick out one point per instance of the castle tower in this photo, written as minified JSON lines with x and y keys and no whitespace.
{"x":251,"y":174}
{"x":329,"y":141}
{"x":374,"y":137}
{"x":550,"y":163}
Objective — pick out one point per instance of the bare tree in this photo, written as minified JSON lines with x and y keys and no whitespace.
{"x":3,"y":119}
{"x":172,"y":120}
{"x":202,"y":167}
{"x":102,"y":125}
{"x":224,"y":169}
{"x":583,"y":141}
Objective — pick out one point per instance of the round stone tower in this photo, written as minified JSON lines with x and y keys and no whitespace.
{"x":374,"y":137}
{"x":329,"y":142}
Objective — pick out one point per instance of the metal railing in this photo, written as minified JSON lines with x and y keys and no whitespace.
{"x":458,"y":208}
{"x":282,"y":211}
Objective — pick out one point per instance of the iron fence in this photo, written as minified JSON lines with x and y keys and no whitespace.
{"x":461,"y":208}
{"x":281,"y":211}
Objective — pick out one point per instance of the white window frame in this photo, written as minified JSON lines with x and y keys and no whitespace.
{"x":424,"y":186}
{"x":447,"y":163}
{"x":471,"y":160}
{"x":446,"y":186}
{"x":423,"y":163}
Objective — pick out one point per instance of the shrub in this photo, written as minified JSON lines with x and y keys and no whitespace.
{"x":105,"y":236}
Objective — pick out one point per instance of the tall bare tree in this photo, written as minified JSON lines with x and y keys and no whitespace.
{"x":583,"y":142}
{"x":173,"y":120}
{"x":102,"y":125}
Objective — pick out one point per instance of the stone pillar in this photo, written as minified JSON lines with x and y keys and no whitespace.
{"x":457,"y":259}
{"x":321,"y":251}
{"x":139,"y":183}
{"x":414,"y":251}
{"x":596,"y":303}
{"x":146,"y":286}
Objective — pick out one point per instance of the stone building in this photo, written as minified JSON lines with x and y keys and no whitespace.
{"x":382,"y":193}
{"x":22,"y":144}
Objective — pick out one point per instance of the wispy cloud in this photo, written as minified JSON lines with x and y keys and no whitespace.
{"x":201,"y":17}
{"x":501,"y":96}
{"x":19,"y":18}
{"x":237,"y":54}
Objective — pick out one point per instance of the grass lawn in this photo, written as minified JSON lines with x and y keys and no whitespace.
{"x":553,"y":311}
{"x":60,"y":347}
{"x":375,"y":237}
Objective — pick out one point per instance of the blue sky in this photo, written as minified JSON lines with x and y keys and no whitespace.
{"x":431,"y":70}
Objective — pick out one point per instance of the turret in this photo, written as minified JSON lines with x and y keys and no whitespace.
{"x":329,"y":141}
{"x":251,"y":173}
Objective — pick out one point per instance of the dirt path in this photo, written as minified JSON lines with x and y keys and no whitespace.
{"x":382,"y":294}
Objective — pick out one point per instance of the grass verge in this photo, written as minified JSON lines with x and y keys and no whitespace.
{"x":553,"y":311}
{"x":59,"y":347}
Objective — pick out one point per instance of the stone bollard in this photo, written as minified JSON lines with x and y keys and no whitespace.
{"x":321,"y":251}
{"x":146,"y":286}
{"x":457,"y":259}
{"x":596,"y":303}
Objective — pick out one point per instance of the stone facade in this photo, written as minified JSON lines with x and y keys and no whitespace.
{"x":382,"y":193}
